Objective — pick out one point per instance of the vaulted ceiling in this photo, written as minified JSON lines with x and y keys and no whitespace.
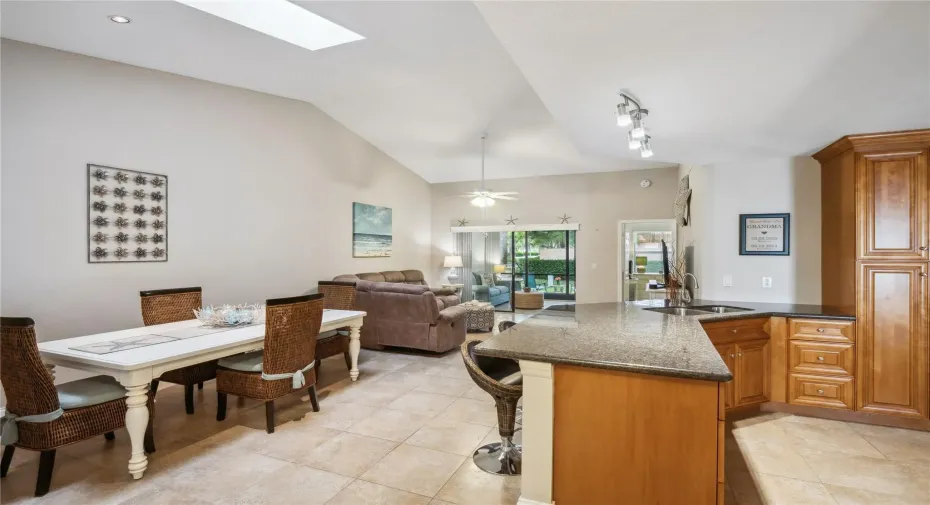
{"x":723,"y":81}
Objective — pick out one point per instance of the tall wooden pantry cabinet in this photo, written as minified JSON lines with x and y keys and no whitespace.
{"x":875,"y":233}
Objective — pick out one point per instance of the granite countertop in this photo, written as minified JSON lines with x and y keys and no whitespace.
{"x":623,"y":336}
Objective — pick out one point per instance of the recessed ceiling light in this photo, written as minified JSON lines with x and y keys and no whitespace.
{"x":280,"y":19}
{"x":120,"y":19}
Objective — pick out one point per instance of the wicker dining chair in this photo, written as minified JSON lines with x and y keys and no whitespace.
{"x":291,"y":327}
{"x":163,"y":306}
{"x":338,"y":295}
{"x":90,"y":407}
{"x":501,"y":378}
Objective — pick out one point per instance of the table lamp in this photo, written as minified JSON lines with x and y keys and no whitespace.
{"x":641,"y":262}
{"x":452,"y":262}
{"x":499,"y":269}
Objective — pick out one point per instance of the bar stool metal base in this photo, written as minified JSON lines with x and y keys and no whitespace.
{"x":495,"y":459}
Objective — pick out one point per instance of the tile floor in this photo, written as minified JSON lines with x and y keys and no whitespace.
{"x":402,"y":435}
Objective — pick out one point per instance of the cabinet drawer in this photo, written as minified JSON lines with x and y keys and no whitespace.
{"x":822,"y":330}
{"x":821,"y":391}
{"x":821,"y":357}
{"x":740,"y":329}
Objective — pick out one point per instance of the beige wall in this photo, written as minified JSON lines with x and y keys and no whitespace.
{"x":597,"y":201}
{"x":261,"y":190}
{"x":720,"y":194}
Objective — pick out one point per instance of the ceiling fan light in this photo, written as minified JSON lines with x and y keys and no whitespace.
{"x":623,"y":115}
{"x":646,"y":149}
{"x":634,"y":143}
{"x":483,"y":201}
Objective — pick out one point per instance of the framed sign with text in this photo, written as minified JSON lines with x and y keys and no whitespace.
{"x":764,"y":234}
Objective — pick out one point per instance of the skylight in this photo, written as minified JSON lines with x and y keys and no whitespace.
{"x":279,"y":19}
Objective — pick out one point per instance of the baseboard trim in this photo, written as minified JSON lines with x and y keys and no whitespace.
{"x":526,"y":501}
{"x":847,"y":416}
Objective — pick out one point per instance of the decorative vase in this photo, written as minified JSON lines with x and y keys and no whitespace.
{"x":526,"y":289}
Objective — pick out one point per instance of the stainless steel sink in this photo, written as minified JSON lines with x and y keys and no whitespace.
{"x":679,"y":311}
{"x":720,"y":309}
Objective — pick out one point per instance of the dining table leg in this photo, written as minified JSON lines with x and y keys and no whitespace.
{"x":355,"y":346}
{"x":137,"y":419}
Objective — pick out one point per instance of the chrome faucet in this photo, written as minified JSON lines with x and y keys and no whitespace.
{"x":684,"y":282}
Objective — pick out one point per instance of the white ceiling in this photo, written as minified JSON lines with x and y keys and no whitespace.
{"x":724,"y":81}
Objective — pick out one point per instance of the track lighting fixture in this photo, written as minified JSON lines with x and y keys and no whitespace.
{"x":630,"y":113}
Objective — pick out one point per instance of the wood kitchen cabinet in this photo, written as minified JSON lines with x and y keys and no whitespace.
{"x":892,"y":373}
{"x":875,"y":236}
{"x":893,"y":198}
{"x":749,"y":362}
{"x":752,"y":372}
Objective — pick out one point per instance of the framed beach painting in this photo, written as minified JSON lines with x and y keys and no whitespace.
{"x":371,"y":231}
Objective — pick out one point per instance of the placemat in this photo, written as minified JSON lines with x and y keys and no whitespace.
{"x":127,"y":343}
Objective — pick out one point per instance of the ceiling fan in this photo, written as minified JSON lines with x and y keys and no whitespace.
{"x":484,"y":197}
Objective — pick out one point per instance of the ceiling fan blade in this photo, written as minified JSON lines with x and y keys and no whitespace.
{"x":506,"y":192}
{"x":498,"y":197}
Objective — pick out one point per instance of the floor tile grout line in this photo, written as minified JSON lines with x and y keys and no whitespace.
{"x":404,"y":490}
{"x":341,"y":490}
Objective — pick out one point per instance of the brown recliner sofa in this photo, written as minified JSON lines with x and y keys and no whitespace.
{"x":403,"y":311}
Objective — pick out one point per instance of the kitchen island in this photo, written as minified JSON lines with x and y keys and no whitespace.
{"x":623,"y":403}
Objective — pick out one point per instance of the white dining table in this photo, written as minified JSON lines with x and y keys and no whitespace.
{"x":135,"y":368}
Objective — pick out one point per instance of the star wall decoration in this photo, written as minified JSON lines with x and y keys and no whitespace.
{"x":512,"y":220}
{"x":463,"y":222}
{"x":565,"y":218}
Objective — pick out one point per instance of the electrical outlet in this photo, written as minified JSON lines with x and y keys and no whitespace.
{"x":766,"y":282}
{"x":593,"y":266}
{"x":727,"y":281}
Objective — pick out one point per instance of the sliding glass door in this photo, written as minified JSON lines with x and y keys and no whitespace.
{"x":543,"y":262}
{"x":498,"y":264}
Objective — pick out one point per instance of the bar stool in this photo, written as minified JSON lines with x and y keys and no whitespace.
{"x":501,"y":378}
{"x":501,"y":328}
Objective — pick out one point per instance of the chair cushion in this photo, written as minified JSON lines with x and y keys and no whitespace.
{"x":90,"y":391}
{"x":514,"y":379}
{"x":248,"y":362}
{"x":332,"y":333}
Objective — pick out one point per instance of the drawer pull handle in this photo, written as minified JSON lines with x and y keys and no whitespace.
{"x":819,"y":358}
{"x":739,"y":354}
{"x":734,"y":330}
{"x":820,"y":391}
{"x":732,"y":355}
{"x":820,"y":330}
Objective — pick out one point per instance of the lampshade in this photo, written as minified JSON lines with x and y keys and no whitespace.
{"x":452,"y":262}
{"x":642,"y":261}
{"x":499,"y":269}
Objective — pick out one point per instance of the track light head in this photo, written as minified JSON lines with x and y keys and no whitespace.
{"x":623,"y":114}
{"x":638,"y":131}
{"x":634,"y":143}
{"x":645,"y":149}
